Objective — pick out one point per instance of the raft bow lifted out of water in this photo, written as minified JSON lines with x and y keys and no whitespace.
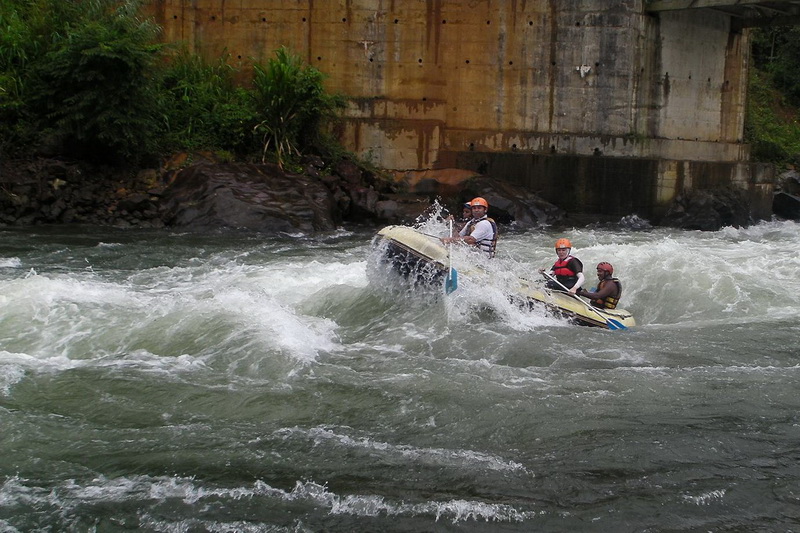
{"x":423,"y":259}
{"x":416,"y":256}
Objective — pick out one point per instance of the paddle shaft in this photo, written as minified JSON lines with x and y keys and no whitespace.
{"x":450,"y":254}
{"x":612,"y":324}
{"x":451,"y":283}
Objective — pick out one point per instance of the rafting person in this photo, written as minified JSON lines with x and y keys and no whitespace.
{"x":459,"y":223}
{"x":568,"y":270}
{"x":609,"y":290}
{"x":480,"y":231}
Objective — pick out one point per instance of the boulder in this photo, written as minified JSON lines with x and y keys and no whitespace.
{"x":509,"y":203}
{"x":789,"y":182}
{"x":786,"y":205}
{"x":709,"y":210}
{"x":248,"y":196}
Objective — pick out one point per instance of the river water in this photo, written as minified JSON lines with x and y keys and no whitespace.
{"x":232,"y":382}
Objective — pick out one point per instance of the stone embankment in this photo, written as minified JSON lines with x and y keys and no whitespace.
{"x":207,"y":195}
{"x":52,"y":191}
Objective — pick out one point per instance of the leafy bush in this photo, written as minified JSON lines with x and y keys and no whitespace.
{"x":203,"y":108}
{"x":292,"y":105}
{"x":93,"y":86}
{"x":88,"y":79}
{"x":771,"y":123}
{"x":26,"y":30}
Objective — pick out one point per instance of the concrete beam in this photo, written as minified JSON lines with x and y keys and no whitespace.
{"x":673,"y":5}
{"x":765,"y":22}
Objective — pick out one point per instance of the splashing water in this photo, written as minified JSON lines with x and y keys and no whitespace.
{"x":228,"y":382}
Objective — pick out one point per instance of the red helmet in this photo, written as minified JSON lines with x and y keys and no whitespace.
{"x":605,"y":266}
{"x":563,"y":243}
{"x":479,"y":201}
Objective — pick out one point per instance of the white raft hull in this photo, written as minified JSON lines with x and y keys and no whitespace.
{"x":571,"y":308}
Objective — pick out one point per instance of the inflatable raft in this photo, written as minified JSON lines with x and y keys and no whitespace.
{"x":424,"y":260}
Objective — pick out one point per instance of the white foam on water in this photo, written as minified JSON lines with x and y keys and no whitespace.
{"x":102,"y":490}
{"x":12,"y":371}
{"x":157,"y":523}
{"x":6,"y":527}
{"x":455,"y":511}
{"x":10,"y":262}
{"x":706,"y":498}
{"x":14,"y":366}
{"x":144,"y":360}
{"x":61,"y":315}
{"x":279,"y":325}
{"x":433,"y":456}
{"x":296,"y":282}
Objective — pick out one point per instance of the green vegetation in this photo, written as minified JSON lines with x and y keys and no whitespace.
{"x":294,"y":103}
{"x":771,"y":125}
{"x":203,"y":107}
{"x":92,"y":90}
{"x":88,"y":79}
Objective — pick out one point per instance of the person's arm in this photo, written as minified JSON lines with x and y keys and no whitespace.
{"x":461,"y":237}
{"x":576,"y":266}
{"x":578,"y":284}
{"x":481,"y":232}
{"x":606,"y":290}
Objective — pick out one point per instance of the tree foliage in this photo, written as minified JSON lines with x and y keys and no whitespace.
{"x":92,"y":88}
{"x":776,"y":51}
{"x":89,"y":79}
{"x":771,"y":125}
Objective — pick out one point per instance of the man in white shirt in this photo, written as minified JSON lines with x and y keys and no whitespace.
{"x":481,"y":231}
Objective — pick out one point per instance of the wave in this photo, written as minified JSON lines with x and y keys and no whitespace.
{"x":72,"y":503}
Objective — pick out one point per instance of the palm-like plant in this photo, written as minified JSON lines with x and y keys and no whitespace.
{"x":292,"y":104}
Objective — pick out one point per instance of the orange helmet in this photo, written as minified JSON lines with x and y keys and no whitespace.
{"x":605,"y":266}
{"x":479,"y":201}
{"x":563,"y":243}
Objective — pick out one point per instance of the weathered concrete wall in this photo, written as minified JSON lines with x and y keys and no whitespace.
{"x":620,"y":186}
{"x":433,"y":80}
{"x":703,"y":78}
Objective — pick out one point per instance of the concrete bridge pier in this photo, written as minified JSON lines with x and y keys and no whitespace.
{"x":614,"y":187}
{"x":606,"y":106}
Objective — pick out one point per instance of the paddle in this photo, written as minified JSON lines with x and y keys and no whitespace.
{"x":612,"y":324}
{"x":452,"y":276}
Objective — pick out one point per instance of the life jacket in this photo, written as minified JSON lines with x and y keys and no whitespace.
{"x":460,"y":224}
{"x":609,"y":302}
{"x":486,"y":245}
{"x":563,"y":273}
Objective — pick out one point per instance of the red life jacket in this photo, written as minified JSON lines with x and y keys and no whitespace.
{"x":564,"y":274}
{"x":561,"y":268}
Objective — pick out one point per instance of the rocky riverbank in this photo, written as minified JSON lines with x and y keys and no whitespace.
{"x":196,"y":193}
